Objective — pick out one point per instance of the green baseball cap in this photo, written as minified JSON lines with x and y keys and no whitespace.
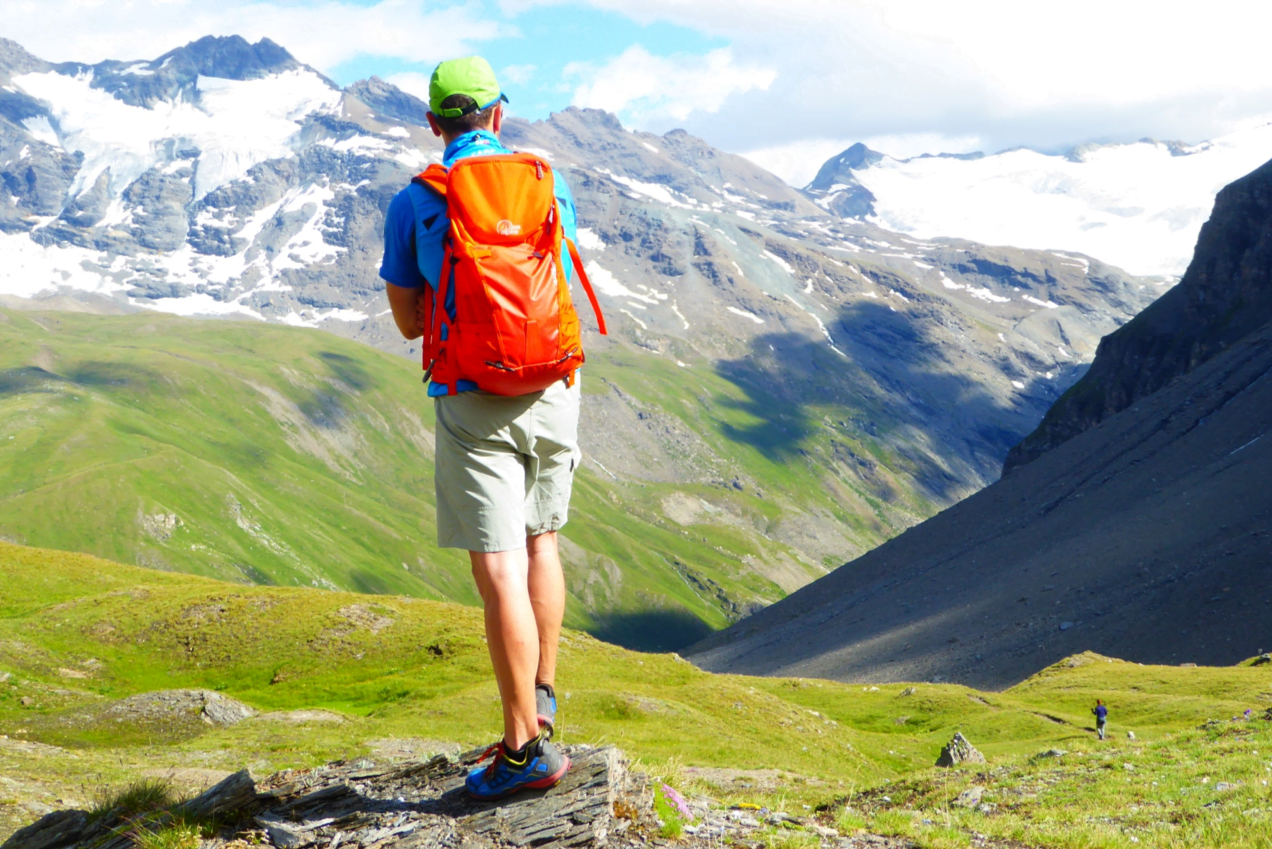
{"x":472,"y":76}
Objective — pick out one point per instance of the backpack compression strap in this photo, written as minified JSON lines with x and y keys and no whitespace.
{"x":433,"y":177}
{"x":587,"y":285}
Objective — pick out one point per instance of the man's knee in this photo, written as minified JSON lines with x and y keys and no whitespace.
{"x":498,"y":573}
{"x":541,"y":543}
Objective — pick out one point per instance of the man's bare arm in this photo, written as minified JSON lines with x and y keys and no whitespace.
{"x":405,"y":304}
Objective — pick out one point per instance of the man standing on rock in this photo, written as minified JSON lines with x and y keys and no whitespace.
{"x":507,"y":441}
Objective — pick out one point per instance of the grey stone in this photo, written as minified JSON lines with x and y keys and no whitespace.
{"x":969,"y":798}
{"x":53,"y":831}
{"x":232,"y":794}
{"x":1051,"y":753}
{"x":959,"y":751}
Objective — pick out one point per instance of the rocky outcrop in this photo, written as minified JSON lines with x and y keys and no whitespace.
{"x":205,"y":706}
{"x":837,"y":190}
{"x":959,"y":751}
{"x":1225,"y":295}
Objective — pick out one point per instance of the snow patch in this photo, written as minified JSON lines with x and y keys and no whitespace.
{"x":197,"y":304}
{"x":30,"y":268}
{"x":42,"y":130}
{"x":236,"y":124}
{"x":589,"y":241}
{"x":1047,"y":303}
{"x":790,"y":269}
{"x":653,"y":191}
{"x":745,"y":314}
{"x":607,"y":284}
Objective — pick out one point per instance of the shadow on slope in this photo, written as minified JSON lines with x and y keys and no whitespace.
{"x":903,"y":388}
{"x":650,"y":630}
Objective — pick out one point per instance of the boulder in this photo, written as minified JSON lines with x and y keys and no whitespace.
{"x":52,"y":831}
{"x":959,"y":751}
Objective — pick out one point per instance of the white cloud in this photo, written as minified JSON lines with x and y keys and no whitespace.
{"x":517,"y":74}
{"x":1011,"y":73}
{"x":640,"y":85}
{"x":411,"y":83}
{"x":323,"y":33}
{"x":797,"y":162}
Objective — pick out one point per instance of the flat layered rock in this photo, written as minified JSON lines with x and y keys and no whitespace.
{"x":364,"y":804}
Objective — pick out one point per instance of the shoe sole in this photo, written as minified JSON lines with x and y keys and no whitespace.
{"x":540,"y":784}
{"x":546,"y":722}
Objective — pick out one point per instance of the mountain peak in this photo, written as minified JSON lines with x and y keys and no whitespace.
{"x":229,"y":57}
{"x":838,"y":169}
{"x":14,"y":59}
{"x":837,"y":190}
{"x":390,"y":101}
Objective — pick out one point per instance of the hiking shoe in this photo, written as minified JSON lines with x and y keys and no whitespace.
{"x":545,"y":702}
{"x":544,"y":766}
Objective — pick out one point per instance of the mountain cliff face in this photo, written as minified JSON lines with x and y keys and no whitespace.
{"x":781,"y":387}
{"x":1145,"y":535}
{"x":1225,"y":294}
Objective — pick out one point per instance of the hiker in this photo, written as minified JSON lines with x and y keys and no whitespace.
{"x":1101,"y":717}
{"x":478,"y":253}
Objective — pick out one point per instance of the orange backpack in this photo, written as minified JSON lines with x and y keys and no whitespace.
{"x":514,"y":330}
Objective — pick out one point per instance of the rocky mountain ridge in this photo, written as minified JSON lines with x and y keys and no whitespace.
{"x":1224,"y":296}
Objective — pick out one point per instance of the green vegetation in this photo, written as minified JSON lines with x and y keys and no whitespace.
{"x":169,"y":837}
{"x":289,"y":457}
{"x":143,"y":796}
{"x":338,"y":675}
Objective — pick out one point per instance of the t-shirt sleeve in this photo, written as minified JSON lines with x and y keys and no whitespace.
{"x":569,"y":218}
{"x":400,"y":266}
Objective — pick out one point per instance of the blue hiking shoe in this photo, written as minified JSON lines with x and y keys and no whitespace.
{"x":545,"y":701}
{"x":544,"y":766}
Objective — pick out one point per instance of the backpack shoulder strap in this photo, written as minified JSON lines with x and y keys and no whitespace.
{"x":587,"y":285}
{"x":434,"y":177}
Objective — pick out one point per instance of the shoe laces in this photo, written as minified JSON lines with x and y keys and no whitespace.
{"x":497,"y":750}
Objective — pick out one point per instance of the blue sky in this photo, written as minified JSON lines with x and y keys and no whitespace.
{"x":540,"y":44}
{"x":787,"y":82}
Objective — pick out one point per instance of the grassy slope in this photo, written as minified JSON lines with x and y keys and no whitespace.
{"x":75,"y":632}
{"x":294,"y":457}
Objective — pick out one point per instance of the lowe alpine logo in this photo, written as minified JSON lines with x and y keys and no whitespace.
{"x":507,"y":228}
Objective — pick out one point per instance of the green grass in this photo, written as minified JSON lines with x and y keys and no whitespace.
{"x":77,"y":633}
{"x":144,"y":796}
{"x":281,"y":456}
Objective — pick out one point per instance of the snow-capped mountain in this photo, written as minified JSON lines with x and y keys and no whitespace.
{"x":1138,"y":206}
{"x":755,"y":336}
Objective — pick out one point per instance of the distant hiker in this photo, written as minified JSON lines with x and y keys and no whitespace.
{"x":478,"y":253}
{"x":1101,"y":717}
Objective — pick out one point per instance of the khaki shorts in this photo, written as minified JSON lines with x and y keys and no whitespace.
{"x":504,"y":466}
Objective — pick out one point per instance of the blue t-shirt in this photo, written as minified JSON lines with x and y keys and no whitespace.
{"x":416,"y":225}
{"x":1101,"y":712}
